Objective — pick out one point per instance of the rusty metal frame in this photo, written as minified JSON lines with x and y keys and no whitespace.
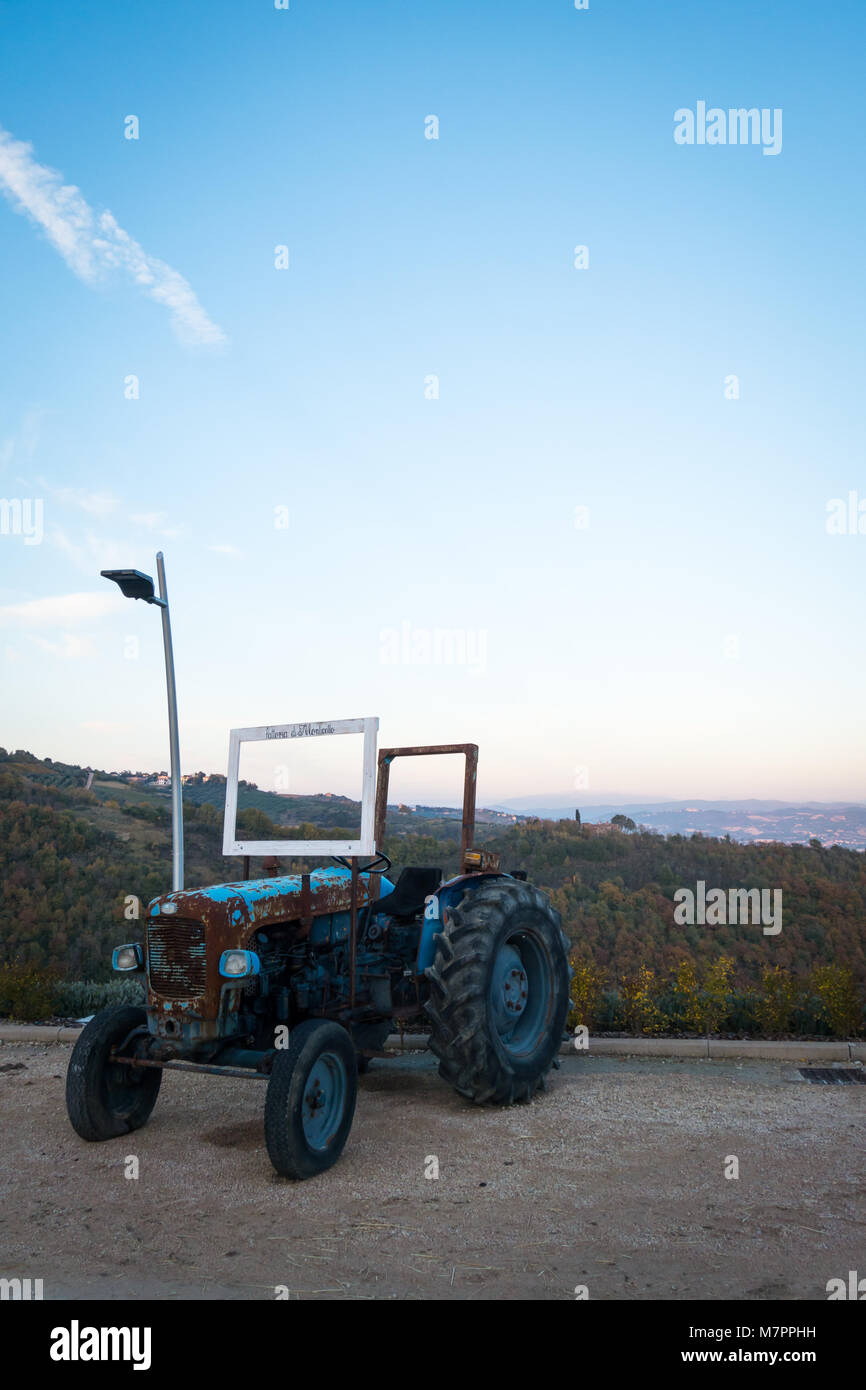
{"x":240,"y":1073}
{"x":387,"y":756}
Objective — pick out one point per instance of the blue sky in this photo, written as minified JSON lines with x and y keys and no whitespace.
{"x":701,"y":637}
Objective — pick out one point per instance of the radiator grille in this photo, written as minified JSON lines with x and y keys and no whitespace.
{"x":176,"y":964}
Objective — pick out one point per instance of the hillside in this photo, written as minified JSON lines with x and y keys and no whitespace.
{"x":616,"y":891}
{"x":70,"y":858}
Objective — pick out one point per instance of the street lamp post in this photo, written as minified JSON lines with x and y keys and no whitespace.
{"x":134,"y":584}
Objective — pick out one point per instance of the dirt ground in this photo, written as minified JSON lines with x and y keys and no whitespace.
{"x":613,"y":1179}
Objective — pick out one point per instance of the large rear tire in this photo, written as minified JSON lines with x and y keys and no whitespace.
{"x":311,"y":1098}
{"x":499,"y":992}
{"x":105,"y":1099}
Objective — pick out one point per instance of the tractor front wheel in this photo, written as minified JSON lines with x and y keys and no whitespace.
{"x":498,"y":992}
{"x":105,"y":1098}
{"x":311,"y":1098}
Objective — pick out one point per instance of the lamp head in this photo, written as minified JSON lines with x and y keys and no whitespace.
{"x":133,"y":584}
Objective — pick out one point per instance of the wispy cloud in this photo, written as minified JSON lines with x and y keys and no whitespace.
{"x":92,"y":242}
{"x":94,"y":503}
{"x":224,"y":549}
{"x":155,"y":521}
{"x":60,"y":610}
{"x":69,"y":646}
{"x":23,"y":444}
{"x":90,"y":554}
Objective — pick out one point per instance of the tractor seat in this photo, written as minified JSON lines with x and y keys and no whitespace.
{"x":413,"y":886}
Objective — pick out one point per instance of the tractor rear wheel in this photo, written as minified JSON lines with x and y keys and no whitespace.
{"x":499,"y":996}
{"x":311,"y":1098}
{"x":105,"y":1099}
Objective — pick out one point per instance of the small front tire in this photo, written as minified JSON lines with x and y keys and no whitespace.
{"x":105,"y":1099}
{"x":311,"y":1098}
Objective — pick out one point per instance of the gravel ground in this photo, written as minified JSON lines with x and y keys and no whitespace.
{"x":612,"y":1179}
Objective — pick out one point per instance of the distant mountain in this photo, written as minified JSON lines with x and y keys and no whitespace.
{"x":747,"y":821}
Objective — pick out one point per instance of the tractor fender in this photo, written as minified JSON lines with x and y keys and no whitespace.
{"x":438,"y":906}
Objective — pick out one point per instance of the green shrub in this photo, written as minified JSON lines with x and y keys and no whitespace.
{"x":742,"y":1015}
{"x":839,"y":1002}
{"x":31,"y":995}
{"x":587,"y":983}
{"x":609,"y":1018}
{"x":827,"y":1005}
{"x":26,"y":993}
{"x":779,"y":997}
{"x":79,"y":998}
{"x":639,"y":993}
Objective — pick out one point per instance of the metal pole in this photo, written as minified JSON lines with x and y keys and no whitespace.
{"x":353,"y":933}
{"x":174,"y":741}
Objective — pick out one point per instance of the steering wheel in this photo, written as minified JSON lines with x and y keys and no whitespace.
{"x":373,"y":866}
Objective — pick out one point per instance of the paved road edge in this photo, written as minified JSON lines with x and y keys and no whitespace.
{"x":708,"y":1048}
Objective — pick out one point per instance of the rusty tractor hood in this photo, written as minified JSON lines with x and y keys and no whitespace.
{"x":253,"y":903}
{"x":188,"y":931}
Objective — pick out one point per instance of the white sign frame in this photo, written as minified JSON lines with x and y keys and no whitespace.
{"x":292,"y":848}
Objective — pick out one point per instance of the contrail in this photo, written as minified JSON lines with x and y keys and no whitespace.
{"x":91,"y":242}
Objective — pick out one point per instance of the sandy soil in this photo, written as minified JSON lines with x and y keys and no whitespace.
{"x":613,"y":1179}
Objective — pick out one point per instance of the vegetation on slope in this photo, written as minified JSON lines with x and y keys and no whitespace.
{"x":75,"y":863}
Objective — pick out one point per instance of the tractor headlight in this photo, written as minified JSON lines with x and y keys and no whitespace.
{"x":235,"y":964}
{"x":127,"y":957}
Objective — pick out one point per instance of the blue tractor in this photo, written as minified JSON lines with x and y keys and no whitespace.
{"x":296,"y":980}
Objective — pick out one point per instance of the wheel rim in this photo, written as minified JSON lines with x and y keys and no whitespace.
{"x":324,"y":1100}
{"x":521,"y":993}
